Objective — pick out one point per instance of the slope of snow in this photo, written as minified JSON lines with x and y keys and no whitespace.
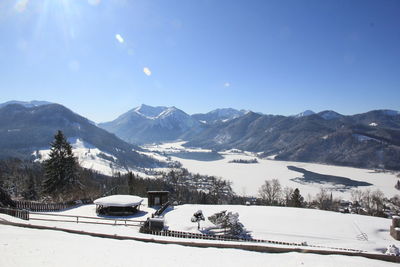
{"x":149,"y":111}
{"x":28,"y":247}
{"x":298,"y":225}
{"x":89,"y":157}
{"x":173,"y":147}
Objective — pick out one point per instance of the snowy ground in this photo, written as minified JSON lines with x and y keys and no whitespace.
{"x":315,"y":227}
{"x":45,"y":248}
{"x":247,"y":178}
{"x":31,"y":247}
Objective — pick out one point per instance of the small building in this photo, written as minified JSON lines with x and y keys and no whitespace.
{"x":157,"y":198}
{"x":395,"y":227}
{"x":118,"y":205}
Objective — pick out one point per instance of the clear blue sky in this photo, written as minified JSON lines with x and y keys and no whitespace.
{"x":103,"y":57}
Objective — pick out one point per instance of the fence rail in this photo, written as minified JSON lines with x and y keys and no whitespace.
{"x":180,"y":234}
{"x":37,"y":206}
{"x":22,"y":214}
{"x":84,"y":219}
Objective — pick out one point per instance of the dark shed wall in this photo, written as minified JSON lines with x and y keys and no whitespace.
{"x":157,"y":198}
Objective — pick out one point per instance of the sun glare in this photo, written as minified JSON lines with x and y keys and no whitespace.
{"x":21,"y":5}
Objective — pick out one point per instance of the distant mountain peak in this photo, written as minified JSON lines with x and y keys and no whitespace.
{"x":220,"y":114}
{"x":329,"y":115}
{"x":149,"y":111}
{"x":27,"y":104}
{"x":304,"y":113}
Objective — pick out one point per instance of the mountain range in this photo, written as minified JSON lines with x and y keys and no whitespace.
{"x":368,"y":140}
{"x":26,"y":128}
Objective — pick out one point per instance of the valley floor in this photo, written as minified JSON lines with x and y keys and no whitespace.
{"x":247,"y":178}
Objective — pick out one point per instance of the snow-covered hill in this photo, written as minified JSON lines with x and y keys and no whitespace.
{"x":89,"y":157}
{"x":24,"y":130}
{"x":317,"y":227}
{"x":29,"y":247}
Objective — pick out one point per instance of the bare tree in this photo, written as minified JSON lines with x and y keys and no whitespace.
{"x":356,"y":196}
{"x":287,"y":195}
{"x":377,"y":197}
{"x":271,"y":192}
{"x":323,"y":199}
{"x":367,"y":200}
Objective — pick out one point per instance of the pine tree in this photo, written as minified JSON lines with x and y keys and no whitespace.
{"x":131,"y":183}
{"x":296,"y":200}
{"x":61,"y":168}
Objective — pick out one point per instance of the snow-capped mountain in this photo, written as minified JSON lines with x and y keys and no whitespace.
{"x":327,"y":137}
{"x":27,"y":104}
{"x":218,"y":115}
{"x":26,"y":131}
{"x":149,"y":111}
{"x":304,"y":113}
{"x":329,"y":115}
{"x":146,"y":124}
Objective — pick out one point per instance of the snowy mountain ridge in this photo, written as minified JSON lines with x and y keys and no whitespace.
{"x":146,"y":124}
{"x":27,"y":104}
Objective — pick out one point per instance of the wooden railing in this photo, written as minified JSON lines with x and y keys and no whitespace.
{"x":22,"y":214}
{"x":83,"y":219}
{"x":162,"y":209}
{"x":37,"y":206}
{"x":180,"y":234}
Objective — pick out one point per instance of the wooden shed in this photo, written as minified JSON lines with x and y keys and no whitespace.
{"x":157,"y":198}
{"x":118,"y":205}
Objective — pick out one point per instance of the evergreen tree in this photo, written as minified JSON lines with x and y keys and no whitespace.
{"x":296,"y":200}
{"x":131,"y":183}
{"x":30,"y":192}
{"x":61,"y":169}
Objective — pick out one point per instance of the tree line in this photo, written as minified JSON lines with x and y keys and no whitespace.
{"x":366,"y":201}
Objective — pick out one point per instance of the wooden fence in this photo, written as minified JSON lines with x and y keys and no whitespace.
{"x":180,"y":234}
{"x":22,"y":214}
{"x":37,"y":206}
{"x":84,"y":219}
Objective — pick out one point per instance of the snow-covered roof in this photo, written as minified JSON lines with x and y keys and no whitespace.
{"x":119,"y":201}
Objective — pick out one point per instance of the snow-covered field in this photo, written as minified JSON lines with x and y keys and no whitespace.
{"x":247,"y":178}
{"x":29,"y":247}
{"x":297,"y":225}
{"x":45,"y":248}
